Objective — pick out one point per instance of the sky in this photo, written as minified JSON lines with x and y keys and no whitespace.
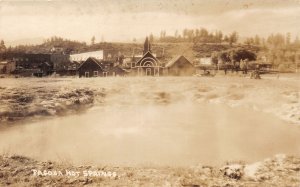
{"x":123,"y":20}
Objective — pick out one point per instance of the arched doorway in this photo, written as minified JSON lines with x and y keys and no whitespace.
{"x":148,"y":71}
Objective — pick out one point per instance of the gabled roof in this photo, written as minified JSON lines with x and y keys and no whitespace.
{"x":93,"y":60}
{"x":148,"y":53}
{"x":174,"y":60}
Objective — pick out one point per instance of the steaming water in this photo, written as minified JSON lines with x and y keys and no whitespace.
{"x":174,"y":132}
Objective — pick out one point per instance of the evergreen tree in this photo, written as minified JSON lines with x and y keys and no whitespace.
{"x":233,"y":38}
{"x":93,"y":40}
{"x":288,"y":39}
{"x":151,"y":38}
{"x":2,"y":46}
{"x":257,"y":40}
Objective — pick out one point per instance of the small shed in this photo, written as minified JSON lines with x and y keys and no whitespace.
{"x":90,"y":68}
{"x":179,"y":66}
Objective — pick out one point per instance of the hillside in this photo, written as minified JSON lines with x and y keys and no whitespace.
{"x":170,"y":50}
{"x":161,"y":49}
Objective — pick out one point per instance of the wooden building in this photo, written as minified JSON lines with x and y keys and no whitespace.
{"x":179,"y":66}
{"x":46,"y":68}
{"x":60,"y":63}
{"x":148,"y":65}
{"x":117,"y":71}
{"x":7,"y":67}
{"x":31,"y":60}
{"x":91,"y":68}
{"x":30,"y":64}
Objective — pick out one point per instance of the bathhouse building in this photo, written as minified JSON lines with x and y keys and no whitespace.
{"x":148,"y":65}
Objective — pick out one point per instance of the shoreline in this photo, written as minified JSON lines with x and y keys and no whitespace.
{"x":30,"y":101}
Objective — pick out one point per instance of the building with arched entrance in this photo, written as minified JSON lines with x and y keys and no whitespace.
{"x":148,"y":65}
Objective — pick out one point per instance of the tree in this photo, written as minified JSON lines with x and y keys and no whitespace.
{"x":164,"y":34}
{"x":176,"y":34}
{"x":93,"y":40}
{"x":277,"y":40}
{"x":242,"y":54}
{"x":263,"y":42}
{"x":203,"y":32}
{"x":233,"y":38}
{"x":226,"y":39}
{"x":151,"y":38}
{"x":236,"y":55}
{"x":249,"y":41}
{"x":297,"y":42}
{"x":224,"y":56}
{"x":185,"y":33}
{"x":288,"y":38}
{"x":257,"y":40}
{"x":2,"y":46}
{"x":190,"y":34}
{"x":219,"y":36}
{"x":197,"y":32}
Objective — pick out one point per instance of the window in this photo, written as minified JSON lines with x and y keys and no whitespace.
{"x":95,"y":73}
{"x":104,"y":74}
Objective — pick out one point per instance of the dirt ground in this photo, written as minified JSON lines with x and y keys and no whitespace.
{"x":278,"y":171}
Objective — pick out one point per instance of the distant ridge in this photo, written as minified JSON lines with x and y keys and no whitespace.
{"x":25,"y":41}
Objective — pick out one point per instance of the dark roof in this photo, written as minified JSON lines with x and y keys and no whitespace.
{"x":93,"y":60}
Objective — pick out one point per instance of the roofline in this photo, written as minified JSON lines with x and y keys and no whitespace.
{"x":145,"y":55}
{"x":93,"y":59}
{"x":176,"y":58}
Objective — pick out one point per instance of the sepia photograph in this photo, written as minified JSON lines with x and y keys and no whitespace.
{"x":171,"y":93}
